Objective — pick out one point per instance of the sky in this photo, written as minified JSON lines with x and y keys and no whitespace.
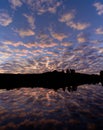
{"x":37,"y":36}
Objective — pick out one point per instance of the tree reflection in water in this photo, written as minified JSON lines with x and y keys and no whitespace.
{"x":41,"y":108}
{"x":51,"y":80}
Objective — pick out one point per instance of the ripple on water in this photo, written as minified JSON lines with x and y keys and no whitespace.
{"x":39,"y":107}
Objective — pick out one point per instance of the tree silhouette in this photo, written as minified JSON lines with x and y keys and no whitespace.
{"x":52,"y":80}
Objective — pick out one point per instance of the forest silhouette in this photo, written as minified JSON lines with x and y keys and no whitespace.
{"x":51,"y":80}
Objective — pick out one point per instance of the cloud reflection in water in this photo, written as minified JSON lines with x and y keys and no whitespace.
{"x":41,"y":108}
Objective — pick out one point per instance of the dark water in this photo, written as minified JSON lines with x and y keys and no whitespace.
{"x":40,"y":109}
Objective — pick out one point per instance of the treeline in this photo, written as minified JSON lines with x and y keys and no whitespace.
{"x":53,"y":80}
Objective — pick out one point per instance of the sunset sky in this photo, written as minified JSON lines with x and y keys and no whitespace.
{"x":43,"y":35}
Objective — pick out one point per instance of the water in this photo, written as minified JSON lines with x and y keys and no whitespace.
{"x":39,"y":108}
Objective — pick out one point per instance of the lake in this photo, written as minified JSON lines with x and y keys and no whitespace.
{"x":40,"y":108}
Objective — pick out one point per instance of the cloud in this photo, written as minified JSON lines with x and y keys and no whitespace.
{"x":51,"y":9}
{"x":82,"y":37}
{"x":25,"y":33}
{"x":100,"y":50}
{"x":18,"y":44}
{"x":15,"y":3}
{"x":13,"y":49}
{"x":82,"y":58}
{"x":58,"y":36}
{"x":4,"y":56}
{"x":46,"y":45}
{"x":30,"y":45}
{"x":30,"y":20}
{"x":99,"y":30}
{"x":99,"y":7}
{"x":5,"y":19}
{"x":68,"y":19}
{"x":42,"y":57}
{"x":4,"y":48}
{"x":78,"y":25}
{"x":50,"y":6}
{"x":17,"y":50}
{"x":53,"y":54}
{"x":44,"y":37}
{"x":5,"y":53}
{"x":96,"y":41}
{"x":66,"y":44}
{"x":28,"y":49}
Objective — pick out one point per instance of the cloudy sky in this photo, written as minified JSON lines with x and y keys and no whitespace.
{"x":43,"y":35}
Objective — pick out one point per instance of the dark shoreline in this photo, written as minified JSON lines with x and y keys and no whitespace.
{"x":62,"y":79}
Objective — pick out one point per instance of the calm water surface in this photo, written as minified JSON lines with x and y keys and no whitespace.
{"x":39,"y":108}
